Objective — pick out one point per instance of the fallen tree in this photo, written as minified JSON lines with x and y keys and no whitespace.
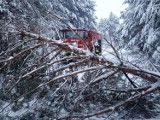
{"x":85,"y":58}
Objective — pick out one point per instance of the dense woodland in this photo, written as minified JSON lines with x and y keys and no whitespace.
{"x":34,"y":84}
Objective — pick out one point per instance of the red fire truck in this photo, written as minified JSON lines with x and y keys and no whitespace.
{"x":82,"y":38}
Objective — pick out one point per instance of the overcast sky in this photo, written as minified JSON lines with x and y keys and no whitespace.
{"x":104,"y":7}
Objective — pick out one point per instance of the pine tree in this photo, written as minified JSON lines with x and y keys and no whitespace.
{"x":110,"y":27}
{"x":141,"y":27}
{"x":79,"y":13}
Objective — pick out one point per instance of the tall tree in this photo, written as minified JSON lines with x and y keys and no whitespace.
{"x":141,"y":29}
{"x":80,"y":13}
{"x":110,"y":28}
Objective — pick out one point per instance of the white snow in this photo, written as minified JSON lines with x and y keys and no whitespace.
{"x":89,"y":53}
{"x":17,"y":113}
{"x":109,"y":55}
{"x":32,"y":102}
{"x":11,"y":57}
{"x":80,"y":75}
{"x":63,"y":113}
{"x":154,"y":86}
{"x":103,"y":76}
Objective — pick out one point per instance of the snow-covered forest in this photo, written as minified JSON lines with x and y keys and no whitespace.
{"x":121,"y":83}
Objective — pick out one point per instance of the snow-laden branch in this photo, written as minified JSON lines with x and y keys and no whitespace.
{"x":105,"y":76}
{"x":155,"y":86}
{"x":57,"y":78}
{"x":22,"y":52}
{"x":96,"y":59}
{"x":49,"y":64}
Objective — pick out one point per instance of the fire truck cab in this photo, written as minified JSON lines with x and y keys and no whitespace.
{"x":82,"y":38}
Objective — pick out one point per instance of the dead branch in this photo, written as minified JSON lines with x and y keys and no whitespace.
{"x":48,"y":54}
{"x":102,"y":77}
{"x":56,"y":78}
{"x":22,"y":52}
{"x":61,"y":45}
{"x":59,"y":51}
{"x":139,"y":89}
{"x":132,"y":83}
{"x":154,"y":87}
{"x":44,"y":66}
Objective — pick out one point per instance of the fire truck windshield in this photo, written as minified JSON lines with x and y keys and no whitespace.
{"x":76,"y":34}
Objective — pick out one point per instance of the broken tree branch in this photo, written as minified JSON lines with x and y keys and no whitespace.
{"x":153,"y":88}
{"x":97,"y":59}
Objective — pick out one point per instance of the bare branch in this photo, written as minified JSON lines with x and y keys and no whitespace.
{"x":154,"y":87}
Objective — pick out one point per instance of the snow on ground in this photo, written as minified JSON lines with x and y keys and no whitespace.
{"x":127,"y":56}
{"x":14,"y":114}
{"x":109,"y":55}
{"x":63,"y":113}
{"x":137,"y":61}
{"x":17,"y":113}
